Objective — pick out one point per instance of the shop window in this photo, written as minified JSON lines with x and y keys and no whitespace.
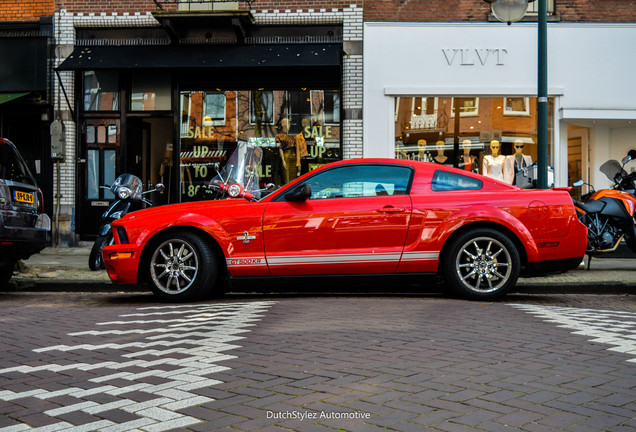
{"x":262,"y":106}
{"x":331,"y":106}
{"x":493,"y":136}
{"x":519,"y":106}
{"x":288,"y":125}
{"x":214,"y":109}
{"x":150,"y":92}
{"x":101,"y":91}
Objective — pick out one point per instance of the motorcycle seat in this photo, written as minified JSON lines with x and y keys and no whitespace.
{"x":592,"y":206}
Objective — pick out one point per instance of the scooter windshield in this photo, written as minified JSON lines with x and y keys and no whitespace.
{"x":129,"y":181}
{"x":612,"y":169}
{"x":243,"y":167}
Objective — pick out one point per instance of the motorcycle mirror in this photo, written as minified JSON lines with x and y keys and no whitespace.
{"x":270,"y":186}
{"x":217,"y":167}
{"x":160,"y":187}
{"x":578,"y":183}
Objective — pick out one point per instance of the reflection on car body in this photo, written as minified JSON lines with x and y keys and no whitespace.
{"x":387,"y":218}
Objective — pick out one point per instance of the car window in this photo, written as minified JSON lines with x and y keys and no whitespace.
{"x":12,"y":166}
{"x":360,"y":181}
{"x":447,"y":181}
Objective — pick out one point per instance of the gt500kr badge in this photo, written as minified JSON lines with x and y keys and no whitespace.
{"x":246,"y":237}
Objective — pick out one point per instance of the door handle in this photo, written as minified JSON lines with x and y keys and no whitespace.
{"x":391,"y":209}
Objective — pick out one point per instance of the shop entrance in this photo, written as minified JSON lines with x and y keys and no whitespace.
{"x":145,"y":152}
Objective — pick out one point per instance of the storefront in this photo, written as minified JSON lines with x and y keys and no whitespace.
{"x":25,"y":112}
{"x":465,"y":95}
{"x":169,"y":112}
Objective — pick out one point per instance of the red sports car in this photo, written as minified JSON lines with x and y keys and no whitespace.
{"x":373,"y":217}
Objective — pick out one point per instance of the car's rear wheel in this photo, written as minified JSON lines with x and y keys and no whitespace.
{"x":181,"y":267}
{"x":481,"y":264}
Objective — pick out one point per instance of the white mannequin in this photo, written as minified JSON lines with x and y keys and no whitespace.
{"x":516,"y":162}
{"x":493,"y":164}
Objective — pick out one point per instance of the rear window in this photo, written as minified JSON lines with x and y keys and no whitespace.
{"x":447,"y":181}
{"x":12,"y":165}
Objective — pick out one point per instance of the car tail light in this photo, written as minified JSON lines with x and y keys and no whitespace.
{"x":40,"y":201}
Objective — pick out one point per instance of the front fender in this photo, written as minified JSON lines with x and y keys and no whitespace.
{"x":488,"y":215}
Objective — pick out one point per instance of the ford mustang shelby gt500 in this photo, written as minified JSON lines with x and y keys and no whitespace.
{"x":356,"y":217}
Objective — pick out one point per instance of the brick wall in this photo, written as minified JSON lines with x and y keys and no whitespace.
{"x":479,"y":10}
{"x":25,"y":10}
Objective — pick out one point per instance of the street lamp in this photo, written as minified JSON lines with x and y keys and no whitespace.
{"x":510,"y":11}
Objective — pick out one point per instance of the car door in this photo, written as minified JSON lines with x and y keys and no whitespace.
{"x":355,"y":221}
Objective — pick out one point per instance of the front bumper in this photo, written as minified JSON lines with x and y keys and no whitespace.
{"x":122,"y":263}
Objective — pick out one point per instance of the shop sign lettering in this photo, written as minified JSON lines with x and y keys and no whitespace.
{"x":317,"y":131}
{"x":201,"y":132}
{"x":474,"y":56}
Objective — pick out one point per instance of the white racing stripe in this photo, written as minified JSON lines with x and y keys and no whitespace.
{"x":327,"y":259}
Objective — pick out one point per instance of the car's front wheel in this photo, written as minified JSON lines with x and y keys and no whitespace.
{"x":481,"y":264}
{"x":182,"y":267}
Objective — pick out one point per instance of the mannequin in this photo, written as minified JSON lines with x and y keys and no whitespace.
{"x":440,"y":158}
{"x":516,"y":162}
{"x":287,"y":148}
{"x":467,"y":161}
{"x":493,"y":164}
{"x":421,"y":151}
{"x":301,"y":143}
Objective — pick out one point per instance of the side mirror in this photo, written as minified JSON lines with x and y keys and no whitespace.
{"x":300,"y":193}
{"x":578,"y":183}
{"x":270,"y":186}
{"x":160,"y":187}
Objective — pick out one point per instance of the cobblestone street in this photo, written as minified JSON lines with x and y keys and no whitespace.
{"x":120,"y":362}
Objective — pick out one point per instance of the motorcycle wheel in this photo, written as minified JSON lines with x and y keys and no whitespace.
{"x":181,"y":267}
{"x":95,"y":260}
{"x":481,"y":264}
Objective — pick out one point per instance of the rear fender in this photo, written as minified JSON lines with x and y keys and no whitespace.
{"x":492,"y":217}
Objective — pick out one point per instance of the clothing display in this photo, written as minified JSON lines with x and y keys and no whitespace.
{"x":514,"y":164}
{"x":493,"y":167}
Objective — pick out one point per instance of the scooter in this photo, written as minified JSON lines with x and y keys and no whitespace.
{"x":609,"y":213}
{"x":128,"y":189}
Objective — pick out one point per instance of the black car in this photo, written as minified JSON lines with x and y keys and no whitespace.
{"x":24,"y":228}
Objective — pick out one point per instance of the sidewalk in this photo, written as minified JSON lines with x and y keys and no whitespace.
{"x":66,"y":269}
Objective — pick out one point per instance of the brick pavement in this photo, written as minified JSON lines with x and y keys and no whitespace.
{"x":122,"y":362}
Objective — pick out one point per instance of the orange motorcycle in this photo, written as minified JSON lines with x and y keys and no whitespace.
{"x":609,"y":213}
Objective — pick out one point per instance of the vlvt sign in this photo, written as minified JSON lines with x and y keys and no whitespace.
{"x":474,"y":56}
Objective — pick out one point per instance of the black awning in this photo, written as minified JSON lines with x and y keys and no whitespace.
{"x":203,"y":56}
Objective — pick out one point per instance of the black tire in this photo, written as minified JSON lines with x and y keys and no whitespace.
{"x":481,"y":264}
{"x":6,"y":272}
{"x":95,"y":259}
{"x":181,"y":267}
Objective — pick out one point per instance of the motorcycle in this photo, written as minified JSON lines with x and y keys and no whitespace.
{"x":128,"y":189}
{"x":608,"y":214}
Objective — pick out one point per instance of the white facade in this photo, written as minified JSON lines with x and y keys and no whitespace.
{"x":590,"y":68}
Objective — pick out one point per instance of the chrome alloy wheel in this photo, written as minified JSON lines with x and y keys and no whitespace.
{"x":174,"y":266}
{"x":483,"y":265}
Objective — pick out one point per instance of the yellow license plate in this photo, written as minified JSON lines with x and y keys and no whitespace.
{"x":24,"y":197}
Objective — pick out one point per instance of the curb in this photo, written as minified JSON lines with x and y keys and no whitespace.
{"x":63,"y":285}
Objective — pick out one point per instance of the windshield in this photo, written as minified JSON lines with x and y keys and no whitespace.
{"x":611,"y":169}
{"x":12,"y":166}
{"x":130,"y":181}
{"x":243,"y":167}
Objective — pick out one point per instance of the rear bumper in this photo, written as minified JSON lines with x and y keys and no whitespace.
{"x":20,"y":243}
